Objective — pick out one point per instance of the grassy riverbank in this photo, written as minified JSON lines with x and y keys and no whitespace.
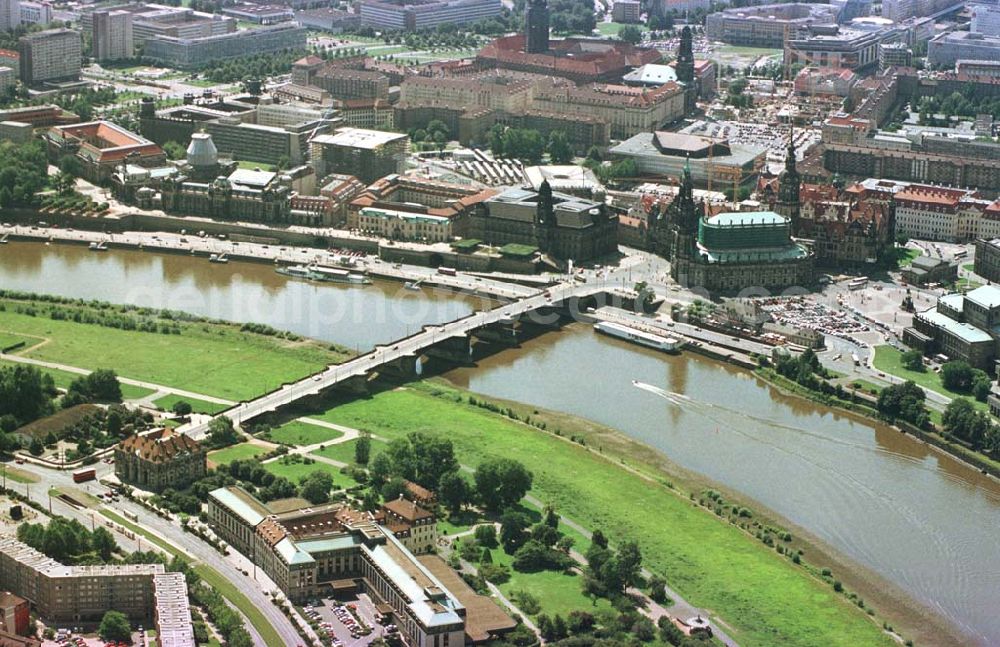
{"x":213,"y":358}
{"x":766,"y":599}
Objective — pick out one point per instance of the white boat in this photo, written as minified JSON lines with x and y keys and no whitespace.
{"x":413,"y":285}
{"x":650,"y":340}
{"x":98,"y":247}
{"x":295,"y":271}
{"x":218,"y":258}
{"x":337,"y":275}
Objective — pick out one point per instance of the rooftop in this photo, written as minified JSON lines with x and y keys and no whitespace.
{"x":966,"y":332}
{"x":239,"y":502}
{"x":987,"y":296}
{"x":161,"y":446}
{"x":359,"y":138}
{"x":747,"y":219}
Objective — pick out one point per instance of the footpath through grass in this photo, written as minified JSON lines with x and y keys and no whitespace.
{"x":890,"y":360}
{"x":766,"y":599}
{"x":212,"y":358}
{"x":297,"y":432}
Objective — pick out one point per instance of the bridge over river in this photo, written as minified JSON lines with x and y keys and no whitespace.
{"x":451,"y":342}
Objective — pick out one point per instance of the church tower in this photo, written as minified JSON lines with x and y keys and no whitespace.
{"x":685,"y":214}
{"x":536,"y":27}
{"x":545,"y":217}
{"x":685,"y":70}
{"x":789,"y":183}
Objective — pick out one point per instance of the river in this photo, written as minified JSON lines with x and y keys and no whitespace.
{"x":921,"y":520}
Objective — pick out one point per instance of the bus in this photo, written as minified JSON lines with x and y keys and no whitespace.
{"x":857,"y":284}
{"x":962,"y":253}
{"x":447,"y":271}
{"x":80,"y":476}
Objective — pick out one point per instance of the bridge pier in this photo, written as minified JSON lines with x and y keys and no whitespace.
{"x":354,"y":385}
{"x":402,"y":368}
{"x":457,"y":350}
{"x":503,"y":333}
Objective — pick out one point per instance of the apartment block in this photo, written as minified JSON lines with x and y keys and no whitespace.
{"x":10,"y":14}
{"x":112,"y":35}
{"x":35,"y":13}
{"x":50,"y":55}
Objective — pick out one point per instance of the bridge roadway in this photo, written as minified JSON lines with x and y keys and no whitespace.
{"x":408,"y":347}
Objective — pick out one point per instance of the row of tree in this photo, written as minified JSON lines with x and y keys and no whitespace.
{"x":529,"y":145}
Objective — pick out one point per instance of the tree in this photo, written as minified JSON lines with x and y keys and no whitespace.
{"x":981,"y":386}
{"x":393,"y":489}
{"x":513,"y":527}
{"x":174,"y":150}
{"x":380,"y":469}
{"x":956,"y":375}
{"x":362,"y":448}
{"x":101,"y":385}
{"x":486,"y":535}
{"x":115,"y":627}
{"x":221,"y":432}
{"x":905,"y":401}
{"x":316,"y":487}
{"x":453,"y":491}
{"x":103,"y":542}
{"x":113,"y":422}
{"x":630,"y":34}
{"x":560,"y":151}
{"x":913,"y":360}
{"x":501,"y":482}
{"x":657,"y":589}
{"x":36,"y":447}
{"x":181,"y":408}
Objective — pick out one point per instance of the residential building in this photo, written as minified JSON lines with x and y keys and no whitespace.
{"x":897,"y":54}
{"x":112,"y":35}
{"x":985,"y":19}
{"x":192,"y":53}
{"x":714,"y":163}
{"x":8,"y":79}
{"x":411,"y":15}
{"x":940,"y":213}
{"x":627,"y":11}
{"x":557,"y":224}
{"x":75,"y":594}
{"x":366,"y":154}
{"x":769,"y":25}
{"x":346,"y":78}
{"x":155,"y":461}
{"x":373,"y":114}
{"x":10,"y":14}
{"x":35,"y":13}
{"x":15,"y":614}
{"x":415,"y":527}
{"x":102,"y":146}
{"x":315,"y":551}
{"x":50,"y":55}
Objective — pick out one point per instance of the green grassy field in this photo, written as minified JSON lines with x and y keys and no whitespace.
{"x":215,"y":359}
{"x":229,"y":591}
{"x":344,"y":452}
{"x":969,"y":267}
{"x":760,"y":594}
{"x":18,"y":476}
{"x":303,"y":433}
{"x":890,"y":360}
{"x":241,"y":451}
{"x":132,"y":392}
{"x":7,"y":340}
{"x":198,"y":406}
{"x":62,"y":380}
{"x":905,"y":255}
{"x":295,"y":472}
{"x":612,"y":28}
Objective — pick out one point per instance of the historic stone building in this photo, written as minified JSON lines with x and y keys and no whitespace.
{"x":159,"y":460}
{"x":559,"y":225}
{"x":730,"y":252}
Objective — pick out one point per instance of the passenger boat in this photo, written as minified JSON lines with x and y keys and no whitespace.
{"x":337,"y":275}
{"x":218,"y":258}
{"x":294,"y":271}
{"x":413,"y":285}
{"x":650,"y":340}
{"x":98,"y":247}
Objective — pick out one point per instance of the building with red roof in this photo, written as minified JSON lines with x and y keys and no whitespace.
{"x":101,"y":147}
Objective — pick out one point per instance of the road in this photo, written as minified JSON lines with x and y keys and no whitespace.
{"x":169,"y":531}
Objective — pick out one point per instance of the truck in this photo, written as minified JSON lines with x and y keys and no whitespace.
{"x":80,"y":476}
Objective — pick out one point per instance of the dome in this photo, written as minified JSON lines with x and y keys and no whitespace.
{"x":201,"y":151}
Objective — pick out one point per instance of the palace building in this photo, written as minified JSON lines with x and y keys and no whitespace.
{"x":159,"y":460}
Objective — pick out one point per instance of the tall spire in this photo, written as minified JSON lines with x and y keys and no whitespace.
{"x":683,"y":211}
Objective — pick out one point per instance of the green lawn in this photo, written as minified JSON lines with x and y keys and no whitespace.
{"x":62,"y":379}
{"x":297,"y":432}
{"x":198,"y":406}
{"x":905,"y":255}
{"x":241,"y":451}
{"x":18,"y":476}
{"x":215,"y":359}
{"x":969,"y":267}
{"x":295,"y":472}
{"x":9,"y":340}
{"x":229,"y":591}
{"x":344,"y":452}
{"x":889,"y":359}
{"x":612,"y":28}
{"x":132,"y":392}
{"x":760,"y":594}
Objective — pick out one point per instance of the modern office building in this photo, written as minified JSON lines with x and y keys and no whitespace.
{"x":35,"y":13}
{"x":162,"y":20}
{"x":260,"y":14}
{"x":50,"y":55}
{"x":193,"y":53}
{"x":768,"y":25}
{"x":160,"y":459}
{"x":112,"y":35}
{"x":714,"y":163}
{"x":559,"y":225}
{"x":8,"y":78}
{"x":985,"y":19}
{"x":410,"y":15}
{"x":853,"y":47}
{"x":946,"y":49}
{"x":627,"y":11}
{"x":366,"y":154}
{"x":75,"y":594}
{"x":328,"y":19}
